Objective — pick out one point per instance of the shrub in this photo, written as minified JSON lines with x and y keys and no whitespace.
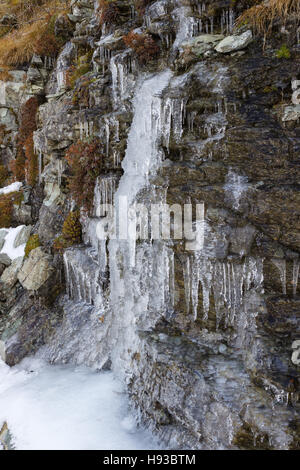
{"x":262,"y":17}
{"x":86,"y":161}
{"x":71,"y":232}
{"x":47,"y":44}
{"x":283,"y":52}
{"x":108,"y":12}
{"x":7,"y":202}
{"x":143,"y":45}
{"x":32,"y":243}
{"x":6,"y":208}
{"x":3,"y":175}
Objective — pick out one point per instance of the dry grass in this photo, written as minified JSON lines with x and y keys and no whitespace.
{"x":262,"y":17}
{"x":5,"y":76}
{"x":34,"y":31}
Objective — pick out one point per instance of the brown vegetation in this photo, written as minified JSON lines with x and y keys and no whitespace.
{"x":25,"y":155}
{"x":33,"y":31}
{"x":108,"y":12}
{"x":143,"y":45}
{"x":86,"y":161}
{"x":7,"y":202}
{"x":265,"y":15}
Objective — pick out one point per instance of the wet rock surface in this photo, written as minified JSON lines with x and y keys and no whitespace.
{"x":204,"y":339}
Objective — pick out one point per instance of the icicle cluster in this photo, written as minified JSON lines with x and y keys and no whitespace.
{"x":227,"y":282}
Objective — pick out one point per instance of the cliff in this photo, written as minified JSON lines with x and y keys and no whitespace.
{"x":163,"y":102}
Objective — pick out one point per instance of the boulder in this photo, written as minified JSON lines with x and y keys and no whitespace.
{"x":234,"y":43}
{"x":36,"y":270}
{"x":5,"y":259}
{"x":22,"y":236}
{"x":201,"y":44}
{"x":10,"y":274}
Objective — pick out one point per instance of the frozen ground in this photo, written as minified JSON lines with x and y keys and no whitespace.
{"x":66,"y":407}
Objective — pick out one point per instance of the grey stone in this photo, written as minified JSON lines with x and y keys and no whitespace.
{"x":10,"y":274}
{"x":22,"y":214}
{"x":203,"y":43}
{"x":11,"y":91}
{"x":5,"y":259}
{"x":8,"y":119}
{"x":235,"y":43}
{"x":22,"y":236}
{"x":36,"y":270}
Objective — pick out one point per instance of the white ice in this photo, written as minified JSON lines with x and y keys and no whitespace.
{"x":51,"y":407}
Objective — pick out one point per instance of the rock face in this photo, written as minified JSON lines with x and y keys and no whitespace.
{"x":202,"y":337}
{"x":29,"y":326}
{"x":36,"y":270}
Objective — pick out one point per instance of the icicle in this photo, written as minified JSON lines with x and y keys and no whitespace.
{"x":281,"y":266}
{"x":59,"y":172}
{"x":107,"y":129}
{"x":81,"y":276}
{"x":102,"y":255}
{"x":173,"y":116}
{"x":116,"y":157}
{"x":187,"y":282}
{"x":228,"y":281}
{"x":296,"y":266}
{"x":105,"y":188}
{"x":231,"y":20}
{"x":172,"y":278}
{"x":120,"y":67}
{"x":40,"y":164}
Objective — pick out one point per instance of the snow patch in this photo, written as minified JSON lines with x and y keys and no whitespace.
{"x":64,"y":407}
